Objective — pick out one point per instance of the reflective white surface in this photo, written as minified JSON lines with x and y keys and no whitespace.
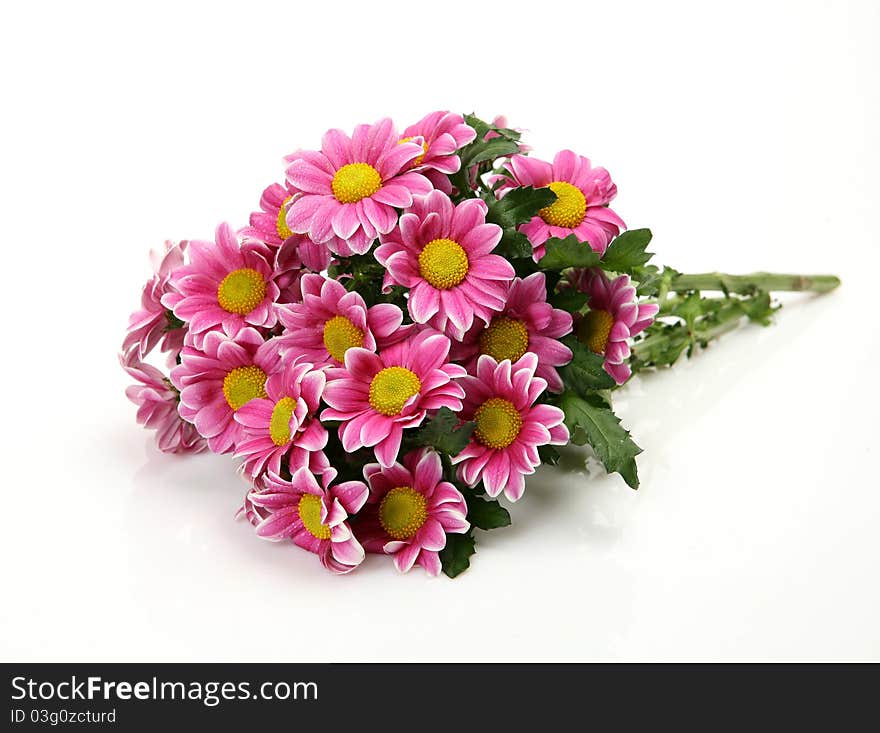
{"x":746,"y":139}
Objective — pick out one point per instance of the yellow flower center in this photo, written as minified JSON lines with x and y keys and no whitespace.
{"x":594,"y":329}
{"x":340,"y":334}
{"x":504,"y":339}
{"x":310,"y":513}
{"x":281,"y":222}
{"x":244,"y":384}
{"x":443,"y":263}
{"x":498,"y":423}
{"x":279,"y":423}
{"x":569,"y":208}
{"x":241,"y":291}
{"x":417,"y":161}
{"x":402,"y":512}
{"x":355,"y":181}
{"x":391,"y":388}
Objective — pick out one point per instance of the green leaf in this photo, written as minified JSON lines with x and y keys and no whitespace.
{"x":548,"y":454}
{"x":519,"y":205}
{"x":455,"y":557}
{"x":483,"y":128}
{"x":590,"y":420}
{"x":585,"y":372}
{"x":481,"y":150}
{"x":759,"y":308}
{"x":627,"y":251}
{"x":485,"y":513}
{"x":174,"y":322}
{"x":514,"y":245}
{"x":568,"y":252}
{"x":661,"y":345}
{"x":569,"y":300}
{"x":443,"y":433}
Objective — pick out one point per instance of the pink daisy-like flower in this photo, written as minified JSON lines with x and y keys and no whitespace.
{"x":270,"y":226}
{"x":331,"y":320}
{"x":311,"y":515}
{"x":442,"y":133}
{"x":352,"y":186}
{"x":413,"y":511}
{"x":226,"y":285}
{"x":442,"y":252}
{"x":221,"y":377}
{"x":510,"y":427}
{"x":149,"y":325}
{"x":156,"y":399}
{"x":377,"y":396}
{"x":582,"y":197}
{"x":285,"y":422}
{"x":614,"y":316}
{"x":527,"y":323}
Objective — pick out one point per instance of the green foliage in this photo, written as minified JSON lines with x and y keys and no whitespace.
{"x":652,"y":281}
{"x":485,"y":513}
{"x":585,"y":372}
{"x":173,"y":322}
{"x":444,"y":434}
{"x":568,"y":300}
{"x":591,"y":421}
{"x":516,"y":207}
{"x":483,"y":128}
{"x":455,"y":557}
{"x":627,"y":252}
{"x":519,"y":205}
{"x":568,"y":252}
{"x":548,"y":454}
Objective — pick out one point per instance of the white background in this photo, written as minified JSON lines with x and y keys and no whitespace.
{"x":744,"y":135}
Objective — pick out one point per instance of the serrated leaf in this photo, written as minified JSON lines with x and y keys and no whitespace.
{"x":455,"y":557}
{"x":627,"y":251}
{"x":443,"y":433}
{"x":585,"y":372}
{"x":601,"y":428}
{"x":485,"y":513}
{"x":568,"y":252}
{"x":519,"y":205}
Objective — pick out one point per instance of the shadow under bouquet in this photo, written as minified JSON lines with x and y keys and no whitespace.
{"x":408,"y":328}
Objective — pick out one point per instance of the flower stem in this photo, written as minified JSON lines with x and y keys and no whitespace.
{"x":746,"y":284}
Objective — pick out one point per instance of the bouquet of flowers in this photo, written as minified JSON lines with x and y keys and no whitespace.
{"x":411,"y":324}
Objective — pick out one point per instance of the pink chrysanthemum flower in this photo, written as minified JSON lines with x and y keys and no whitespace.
{"x":581,"y":207}
{"x":221,"y":377}
{"x":614,"y":316}
{"x":443,"y":133}
{"x":413,"y":511}
{"x":352,"y":186}
{"x":156,"y":399}
{"x":149,"y":325}
{"x":270,"y":226}
{"x":510,"y":427}
{"x":225,"y":285}
{"x":527,"y":323}
{"x":442,"y":252}
{"x":331,"y":320}
{"x":284,"y":424}
{"x":311,"y":515}
{"x":377,"y":396}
